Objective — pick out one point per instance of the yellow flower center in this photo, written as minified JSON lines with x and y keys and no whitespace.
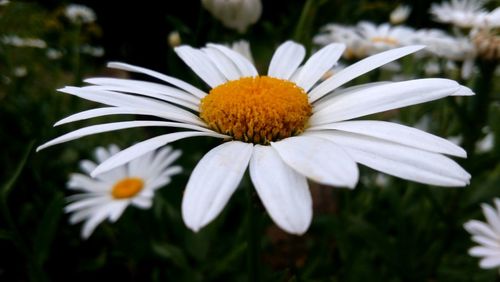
{"x":386,"y":40}
{"x":256,"y":109}
{"x":127,"y":188}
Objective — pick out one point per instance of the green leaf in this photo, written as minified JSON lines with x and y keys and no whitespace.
{"x":172,"y":253}
{"x":17,"y":172}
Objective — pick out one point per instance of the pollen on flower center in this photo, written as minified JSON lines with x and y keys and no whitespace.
{"x":127,"y":188}
{"x":385,"y":40}
{"x":256,"y":109}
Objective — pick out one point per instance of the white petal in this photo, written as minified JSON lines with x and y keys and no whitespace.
{"x":137,"y":86}
{"x":201,"y":65}
{"x":397,"y":133}
{"x":318,"y":159}
{"x":100,"y":112}
{"x":286,"y":60}
{"x":477,"y":227}
{"x":283,"y":191}
{"x":484,"y":252}
{"x":244,"y":65}
{"x":222,"y":63}
{"x":94,"y":129}
{"x":172,"y":80}
{"x":399,"y":160}
{"x":80,"y":181}
{"x":490,"y":262}
{"x":318,"y":65}
{"x":213,"y":181}
{"x":359,"y":69}
{"x":86,"y":203}
{"x":486,"y":241}
{"x":146,"y":146}
{"x":87,"y":166}
{"x":142,"y":202}
{"x":492,"y":217}
{"x":118,"y":210}
{"x":94,"y":220}
{"x":385,"y":97}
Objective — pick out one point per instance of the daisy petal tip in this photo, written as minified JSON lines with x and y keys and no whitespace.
{"x":463,"y":91}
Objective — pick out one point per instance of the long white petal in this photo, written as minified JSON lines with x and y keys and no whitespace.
{"x":244,"y":65}
{"x":94,"y":129}
{"x":100,"y":112}
{"x":213,"y":181}
{"x":399,"y":160}
{"x":359,"y":69}
{"x":486,"y":241}
{"x":484,"y":252}
{"x":490,"y":262}
{"x":283,"y":191}
{"x":172,"y":80}
{"x":224,"y":64}
{"x":492,"y":217}
{"x":397,"y":133}
{"x":137,"y":86}
{"x":146,"y":146}
{"x":318,"y":65}
{"x":480,"y":228}
{"x":201,"y":65}
{"x":385,"y":97}
{"x":95,"y":219}
{"x":286,"y":60}
{"x":318,"y":159}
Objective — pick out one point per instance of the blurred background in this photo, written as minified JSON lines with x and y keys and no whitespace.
{"x":386,"y":229}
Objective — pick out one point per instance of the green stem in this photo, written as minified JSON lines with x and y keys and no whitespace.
{"x":302,"y":32}
{"x":253,"y":237}
{"x":76,"y":55}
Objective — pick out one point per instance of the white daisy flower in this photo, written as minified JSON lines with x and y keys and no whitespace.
{"x":243,"y":47}
{"x":487,"y":235}
{"x":400,"y":14}
{"x":109,"y":194}
{"x":79,"y":14}
{"x":383,"y":37}
{"x":461,"y":13}
{"x":283,"y":126}
{"x":14,"y":40}
{"x":235,"y":14}
{"x":335,"y":33}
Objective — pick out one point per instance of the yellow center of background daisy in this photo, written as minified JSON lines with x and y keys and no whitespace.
{"x":127,"y":188}
{"x":385,"y":40}
{"x":256,"y":109}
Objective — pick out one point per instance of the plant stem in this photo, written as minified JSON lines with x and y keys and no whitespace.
{"x":253,"y":244}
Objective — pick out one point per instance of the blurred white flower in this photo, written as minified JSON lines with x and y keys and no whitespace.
{"x":110,"y":193}
{"x":486,"y":144}
{"x":92,"y":50}
{"x":174,"y":39}
{"x":335,"y":33}
{"x":4,"y":2}
{"x":400,"y":14}
{"x":487,"y":235}
{"x":383,"y":37}
{"x":243,"y":48}
{"x":283,"y":126}
{"x":17,"y":41}
{"x":235,"y":14}
{"x":53,"y":54}
{"x":79,"y":14}
{"x":432,"y":68}
{"x":461,"y":13}
{"x":20,"y":71}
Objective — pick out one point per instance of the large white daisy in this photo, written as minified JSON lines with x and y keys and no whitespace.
{"x":283,"y":126}
{"x":487,"y":235}
{"x":109,"y":194}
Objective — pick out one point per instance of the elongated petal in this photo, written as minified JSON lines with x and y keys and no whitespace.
{"x":492,"y":217}
{"x":100,"y":128}
{"x":385,"y":97}
{"x":100,"y":112}
{"x":137,"y":86}
{"x":201,"y":65}
{"x":213,"y":181}
{"x":490,"y":262}
{"x":397,"y":133}
{"x":146,"y":146}
{"x":243,"y":64}
{"x":172,"y":80}
{"x":286,"y":60}
{"x":486,"y":241}
{"x":318,"y":159}
{"x":222,"y":63}
{"x":318,"y":65}
{"x":480,"y":228}
{"x":399,"y":160}
{"x":359,"y":69}
{"x":283,"y":191}
{"x":484,"y":252}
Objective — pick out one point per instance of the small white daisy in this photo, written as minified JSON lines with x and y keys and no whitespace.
{"x":335,"y":33}
{"x":109,"y":194}
{"x":17,"y":41}
{"x":235,"y":14}
{"x":487,"y":235}
{"x":384,"y":37}
{"x":285,"y":126}
{"x":461,"y":13}
{"x":79,"y":14}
